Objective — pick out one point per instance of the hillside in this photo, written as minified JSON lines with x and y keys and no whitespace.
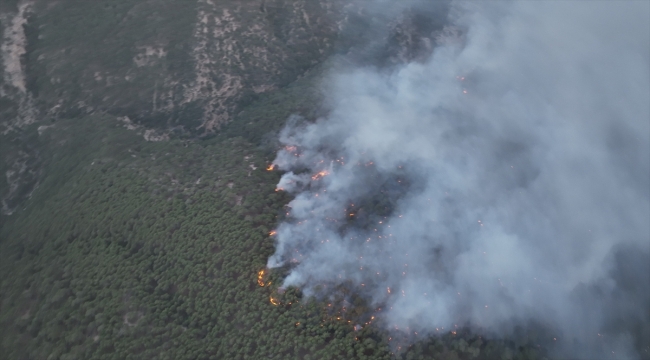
{"x":137,"y":203}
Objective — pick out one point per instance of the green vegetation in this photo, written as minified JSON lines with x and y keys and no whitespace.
{"x":260,"y":122}
{"x":94,"y":68}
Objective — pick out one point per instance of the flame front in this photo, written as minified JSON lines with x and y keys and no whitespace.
{"x":320,"y":175}
{"x":273,"y":232}
{"x":260,"y":278}
{"x":275,"y":302}
{"x":270,"y":167}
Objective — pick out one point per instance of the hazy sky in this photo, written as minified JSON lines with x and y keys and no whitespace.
{"x":517,"y":162}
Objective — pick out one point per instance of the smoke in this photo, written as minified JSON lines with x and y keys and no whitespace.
{"x":504,"y":179}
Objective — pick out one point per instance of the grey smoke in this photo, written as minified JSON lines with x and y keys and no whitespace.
{"x":514,"y":169}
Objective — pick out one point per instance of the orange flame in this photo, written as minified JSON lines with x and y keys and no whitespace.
{"x":273,"y":232}
{"x":260,"y":278}
{"x":274,"y":301}
{"x":388,"y":290}
{"x":270,"y":167}
{"x":319,"y":175}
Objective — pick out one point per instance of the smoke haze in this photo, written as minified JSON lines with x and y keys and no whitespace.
{"x":503,"y":179}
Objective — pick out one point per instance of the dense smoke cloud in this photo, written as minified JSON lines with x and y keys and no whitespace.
{"x":505,"y":179}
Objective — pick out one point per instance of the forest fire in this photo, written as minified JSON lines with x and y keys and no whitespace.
{"x":273,"y":301}
{"x":320,"y":175}
{"x":272,"y":232}
{"x":260,"y":278}
{"x":270,"y":167}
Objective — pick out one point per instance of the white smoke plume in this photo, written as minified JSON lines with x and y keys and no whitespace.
{"x":505,"y":179}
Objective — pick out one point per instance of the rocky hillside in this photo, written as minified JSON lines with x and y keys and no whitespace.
{"x":163,"y":63}
{"x":170,"y":68}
